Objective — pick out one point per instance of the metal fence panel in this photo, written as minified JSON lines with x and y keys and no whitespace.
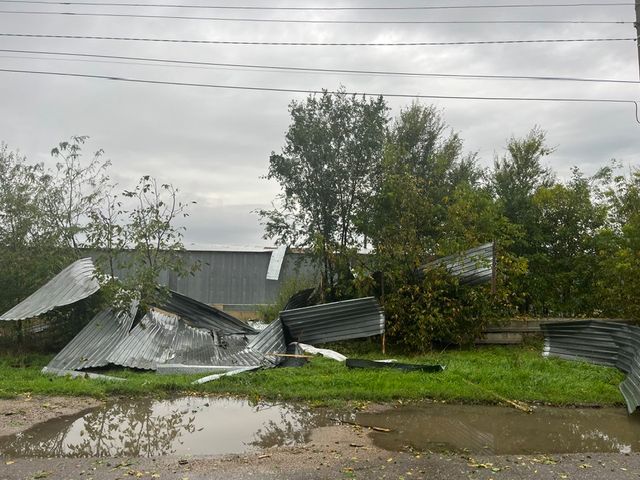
{"x":604,"y":343}
{"x":332,"y":322}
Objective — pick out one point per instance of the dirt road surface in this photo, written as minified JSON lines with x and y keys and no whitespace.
{"x":337,"y":452}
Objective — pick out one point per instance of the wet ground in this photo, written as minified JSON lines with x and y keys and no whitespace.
{"x":215,"y":426}
{"x":193,"y":438}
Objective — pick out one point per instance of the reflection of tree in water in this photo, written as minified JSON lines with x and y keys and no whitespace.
{"x":294,"y":425}
{"x":121,"y":429}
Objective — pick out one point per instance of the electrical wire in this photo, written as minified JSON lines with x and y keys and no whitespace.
{"x":319,"y":44}
{"x":339,"y":22}
{"x":312,"y":92}
{"x":267,"y":8}
{"x":315,"y":69}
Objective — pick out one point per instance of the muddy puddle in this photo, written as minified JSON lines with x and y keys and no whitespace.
{"x":202,"y":426}
{"x":504,"y":430}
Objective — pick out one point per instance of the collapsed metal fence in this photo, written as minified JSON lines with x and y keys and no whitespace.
{"x":611,"y":344}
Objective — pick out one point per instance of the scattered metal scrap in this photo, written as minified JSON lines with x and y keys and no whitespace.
{"x":604,"y":343}
{"x":406,"y":367}
{"x":472,"y":267}
{"x":182,"y":334}
{"x":71,"y":285}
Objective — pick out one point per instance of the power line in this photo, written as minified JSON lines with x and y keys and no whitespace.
{"x":312,"y":92}
{"x":318,"y":44}
{"x":286,"y":20}
{"x":257,"y":7}
{"x":319,"y":70}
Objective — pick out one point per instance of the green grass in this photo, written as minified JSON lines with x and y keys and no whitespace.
{"x":517,"y":373}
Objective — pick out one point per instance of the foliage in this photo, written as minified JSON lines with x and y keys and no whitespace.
{"x":332,"y":152}
{"x":49,"y":218}
{"x":33,"y":245}
{"x":141,"y":241}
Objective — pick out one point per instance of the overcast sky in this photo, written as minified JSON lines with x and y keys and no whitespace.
{"x":214,"y":144}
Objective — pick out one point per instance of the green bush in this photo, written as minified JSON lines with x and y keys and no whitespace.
{"x":439,"y":310}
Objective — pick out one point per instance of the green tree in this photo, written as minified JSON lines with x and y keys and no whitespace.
{"x":562,"y":258}
{"x":517,"y":176}
{"x":619,"y":243}
{"x":430,"y":200}
{"x":326,"y":169}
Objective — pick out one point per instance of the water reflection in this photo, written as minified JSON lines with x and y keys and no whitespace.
{"x":503,"y":430}
{"x":150,"y":428}
{"x":201,"y":426}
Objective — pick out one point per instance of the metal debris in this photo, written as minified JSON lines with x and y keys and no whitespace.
{"x":226,"y":374}
{"x":406,"y":367}
{"x":72,"y":373}
{"x":275,"y":262}
{"x":201,"y":315}
{"x":472,"y":267}
{"x":71,"y":285}
{"x":95,"y":342}
{"x":611,"y":344}
{"x":332,"y":322}
{"x":325,"y":352}
{"x":148,"y":344}
{"x":303,"y":298}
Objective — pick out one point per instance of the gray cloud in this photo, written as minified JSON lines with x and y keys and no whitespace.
{"x":214,"y":144}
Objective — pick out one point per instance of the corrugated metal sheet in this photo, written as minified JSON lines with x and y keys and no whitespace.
{"x":269,"y":340}
{"x":148,"y":344}
{"x":72,"y":284}
{"x":473,"y":267}
{"x":275,"y":262}
{"x":94,"y":343}
{"x":333,"y":322}
{"x":200,"y":315}
{"x":604,"y":343}
{"x":303,"y":298}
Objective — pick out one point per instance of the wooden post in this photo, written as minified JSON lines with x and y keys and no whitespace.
{"x":384,"y":335}
{"x":494,"y":266}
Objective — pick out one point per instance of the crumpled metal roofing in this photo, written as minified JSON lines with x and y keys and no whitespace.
{"x":75,"y":282}
{"x":148,"y":344}
{"x":472,"y":267}
{"x":94,"y":343}
{"x":332,"y":322}
{"x":201,"y":315}
{"x":611,"y":344}
{"x":303,"y":298}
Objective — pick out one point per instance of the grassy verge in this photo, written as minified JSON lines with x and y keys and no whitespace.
{"x":517,"y":373}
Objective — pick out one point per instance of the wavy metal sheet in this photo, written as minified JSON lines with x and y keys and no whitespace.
{"x":71,"y":285}
{"x":148,"y":344}
{"x":332,"y":322}
{"x":94,"y":343}
{"x":473,"y":267}
{"x":611,"y":344}
{"x":201,"y":315}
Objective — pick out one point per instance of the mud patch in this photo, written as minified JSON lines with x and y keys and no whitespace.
{"x":23,"y":412}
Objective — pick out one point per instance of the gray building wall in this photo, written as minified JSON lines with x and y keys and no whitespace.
{"x":233,"y":278}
